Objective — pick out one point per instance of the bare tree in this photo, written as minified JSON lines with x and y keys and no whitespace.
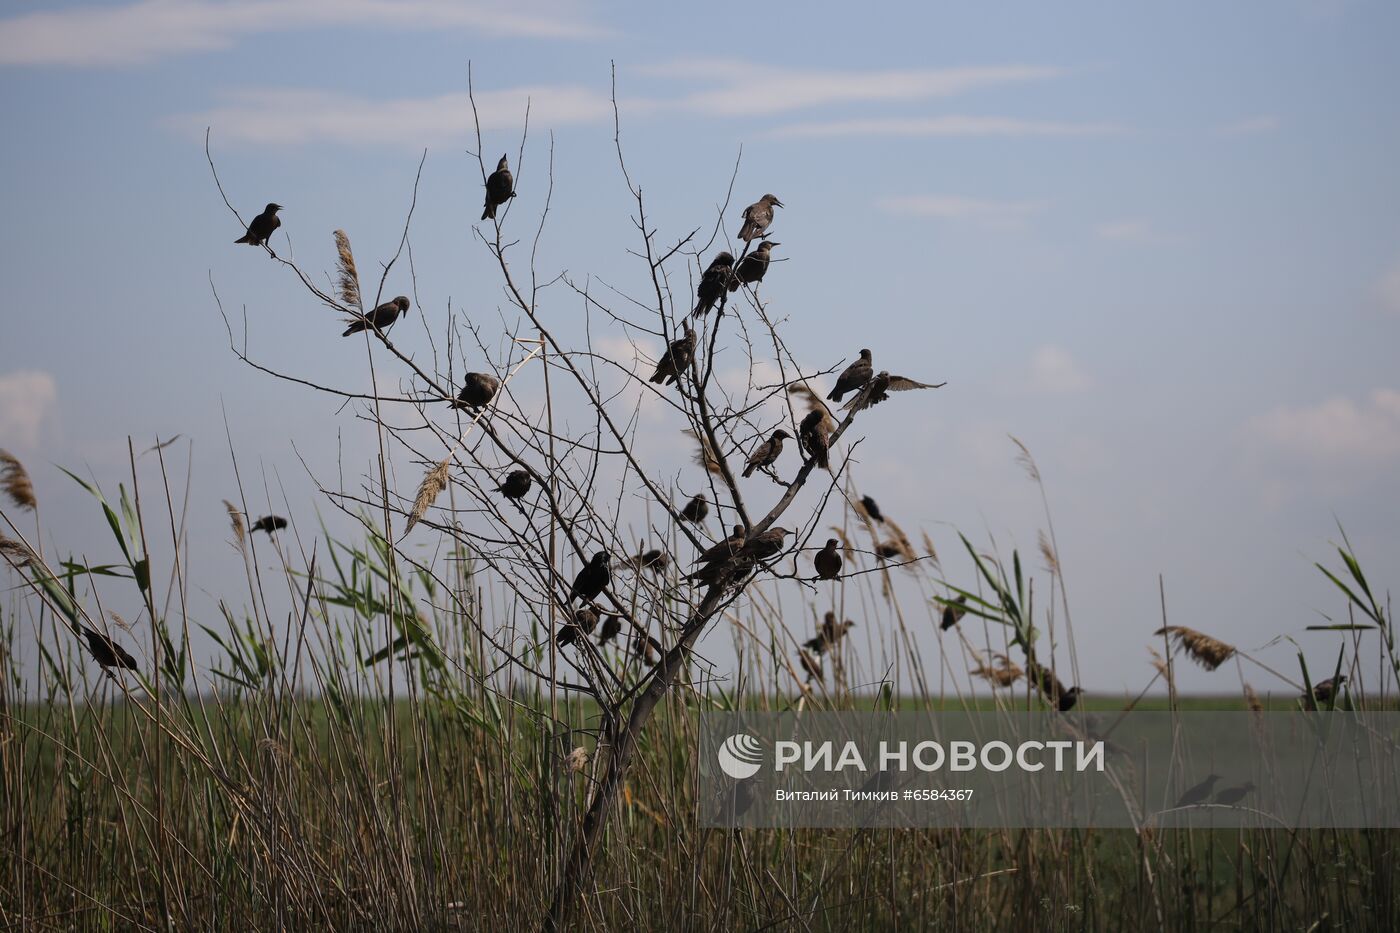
{"x":537,"y":500}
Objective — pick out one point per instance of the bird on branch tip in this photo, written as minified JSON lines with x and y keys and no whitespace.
{"x":753,"y":267}
{"x":757,"y":217}
{"x":500,"y":188}
{"x":676,"y":360}
{"x":478,"y":389}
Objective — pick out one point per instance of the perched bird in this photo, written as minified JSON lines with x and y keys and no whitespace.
{"x":381,"y":317}
{"x":757,"y":217}
{"x":500,"y":188}
{"x":814,"y":438}
{"x":262,"y":226}
{"x":478,"y":389}
{"x":581,"y":625}
{"x":853,"y":377}
{"x":872,"y":509}
{"x":766,"y":453}
{"x":1325,"y":691}
{"x":1061,"y":697}
{"x":516,"y":485}
{"x":765,"y":545}
{"x":676,"y":360}
{"x":714,"y":281}
{"x":592,"y":579}
{"x":828,"y":634}
{"x":696,"y":510}
{"x":723,"y":550}
{"x":879,"y":388}
{"x":269,"y":524}
{"x":953,"y":612}
{"x":106,"y":652}
{"x":612,"y":625}
{"x":828,"y":560}
{"x":753,"y":267}
{"x":654,"y":560}
{"x":644,"y":646}
{"x":1067,"y":699}
{"x":813,"y":666}
{"x":1229,"y":796}
{"x":1199,"y":793}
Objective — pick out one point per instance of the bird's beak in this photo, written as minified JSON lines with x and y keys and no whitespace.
{"x":780,"y":203}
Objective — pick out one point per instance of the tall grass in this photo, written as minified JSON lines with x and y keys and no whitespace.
{"x":359,"y":756}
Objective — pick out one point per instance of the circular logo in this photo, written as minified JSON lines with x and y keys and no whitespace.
{"x":740,"y":756}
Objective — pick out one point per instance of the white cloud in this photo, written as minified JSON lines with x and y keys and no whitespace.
{"x":943,"y":126}
{"x":995,"y":214}
{"x":1338,"y":430}
{"x":1250,"y":126}
{"x":27,"y":399}
{"x":289,"y":117}
{"x":1388,"y":288}
{"x":1053,"y":370}
{"x":747,"y":89}
{"x":144,"y":31}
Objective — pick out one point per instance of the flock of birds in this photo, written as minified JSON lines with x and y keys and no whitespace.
{"x":736,"y":556}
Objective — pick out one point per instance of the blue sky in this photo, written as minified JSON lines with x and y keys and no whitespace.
{"x":1161,"y":246}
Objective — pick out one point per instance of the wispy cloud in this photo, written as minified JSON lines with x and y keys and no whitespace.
{"x":944,"y":126}
{"x":998,"y":214}
{"x":1336,"y":431}
{"x":1250,"y":126}
{"x":748,"y":89}
{"x":134,"y":33}
{"x":1053,"y":370}
{"x":289,"y":117}
{"x":27,"y":399}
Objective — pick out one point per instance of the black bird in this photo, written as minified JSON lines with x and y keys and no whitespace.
{"x":592,"y":579}
{"x":766,"y":453}
{"x":106,"y":652}
{"x":269,"y":524}
{"x":1067,"y":699}
{"x":828,"y":634}
{"x":1229,"y":796}
{"x":478,"y":389}
{"x":753,"y":267}
{"x":677,"y":359}
{"x":582,"y":624}
{"x":1063,"y":698}
{"x":757,"y":217}
{"x":654,"y":560}
{"x":1199,"y":793}
{"x":516,"y":485}
{"x":872,"y":509}
{"x":1324,"y":691}
{"x":696,"y":510}
{"x":714,"y":282}
{"x":853,"y":377}
{"x":887,"y":549}
{"x":381,"y":317}
{"x":814,"y":437}
{"x":262,"y":226}
{"x":828,"y":560}
{"x":722,"y":560}
{"x":500,"y":188}
{"x":612,"y":625}
{"x":953,"y":612}
{"x":813,"y":666}
{"x":879,"y":389}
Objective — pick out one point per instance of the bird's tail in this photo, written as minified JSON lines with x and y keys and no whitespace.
{"x":247,"y":238}
{"x":355,"y":328}
{"x":489,"y":212}
{"x":748,"y":470}
{"x":834,"y":395}
{"x":659,"y":376}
